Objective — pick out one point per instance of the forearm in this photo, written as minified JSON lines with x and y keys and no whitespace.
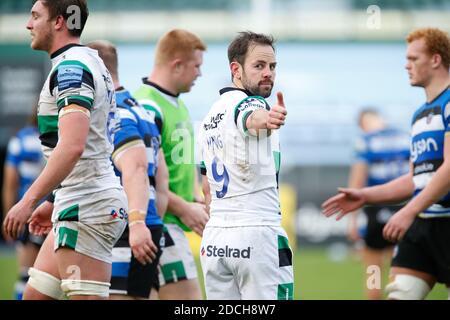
{"x":162,"y":185}
{"x":438,"y":187}
{"x":177,"y":205}
{"x":162,"y":201}
{"x":10,"y":187}
{"x":257,"y":121}
{"x":59,"y":165}
{"x":396,"y":191}
{"x":136,"y":184}
{"x":9,"y":199}
{"x":358,"y":180}
{"x":206,"y":192}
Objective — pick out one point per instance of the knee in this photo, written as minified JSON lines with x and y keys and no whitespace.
{"x":407,"y":287}
{"x":42,"y":285}
{"x":72,"y":287}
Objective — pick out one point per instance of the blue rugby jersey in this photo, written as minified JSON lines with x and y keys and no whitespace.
{"x":386,"y":153}
{"x":430,"y":125}
{"x":138,"y":124}
{"x":25,"y":154}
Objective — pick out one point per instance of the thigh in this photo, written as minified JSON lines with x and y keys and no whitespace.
{"x":142,"y":278}
{"x":376,"y":220}
{"x":90,"y":225}
{"x":219,"y":278}
{"x":45,"y":262}
{"x":411,"y":252}
{"x":46,"y":258}
{"x":177,"y":262}
{"x":267,"y":274}
{"x":77,"y":266}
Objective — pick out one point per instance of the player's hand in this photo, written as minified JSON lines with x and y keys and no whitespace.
{"x":398,"y":224}
{"x":347,"y":200}
{"x":198,"y":198}
{"x":196,"y":217}
{"x":277,"y":114}
{"x":141,"y":243}
{"x":16,"y":219}
{"x":40,"y":222}
{"x":6,"y":237}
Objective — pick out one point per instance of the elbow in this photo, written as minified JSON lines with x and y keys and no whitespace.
{"x":74,"y":152}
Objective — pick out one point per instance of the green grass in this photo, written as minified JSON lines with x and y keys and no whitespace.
{"x":316,"y":277}
{"x":8,"y":276}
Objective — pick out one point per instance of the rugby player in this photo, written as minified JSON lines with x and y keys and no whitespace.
{"x":179,"y":55}
{"x":24,"y":161}
{"x":140,"y":162}
{"x":381,"y":155}
{"x":422,"y":227}
{"x":75,"y":118}
{"x":245,"y":252}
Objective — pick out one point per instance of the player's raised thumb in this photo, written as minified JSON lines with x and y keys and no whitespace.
{"x":280,"y":99}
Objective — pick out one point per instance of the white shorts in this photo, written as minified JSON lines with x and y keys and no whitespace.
{"x":177,"y":262}
{"x":247,"y":263}
{"x":90,"y":224}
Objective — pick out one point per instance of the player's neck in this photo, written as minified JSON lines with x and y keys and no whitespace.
{"x":164,"y":81}
{"x":59,"y":42}
{"x":437,"y":85}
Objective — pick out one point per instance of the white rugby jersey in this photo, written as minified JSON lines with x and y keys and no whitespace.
{"x":242,"y":170}
{"x":78,"y":76}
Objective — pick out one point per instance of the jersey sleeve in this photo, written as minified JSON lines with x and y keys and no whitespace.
{"x":245,"y":108}
{"x":447,"y":118}
{"x":72,"y":82}
{"x":127,"y":132}
{"x":361,"y":150}
{"x":159,"y":119}
{"x":13,"y":153}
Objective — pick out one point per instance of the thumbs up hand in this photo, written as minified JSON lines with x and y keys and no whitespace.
{"x":277,"y":114}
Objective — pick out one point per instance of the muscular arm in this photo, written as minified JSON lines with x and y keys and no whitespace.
{"x":133,"y":165}
{"x":357,"y":179}
{"x":438,"y":187}
{"x":395,"y":191}
{"x":177,"y":205}
{"x":162,"y":185}
{"x":206,"y":192}
{"x":10,"y":187}
{"x":267,"y":119}
{"x":256,"y":121}
{"x":73,"y":131}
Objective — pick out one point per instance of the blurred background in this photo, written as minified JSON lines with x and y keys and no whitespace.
{"x":335,"y":57}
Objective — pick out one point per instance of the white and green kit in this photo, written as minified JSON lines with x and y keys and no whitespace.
{"x":245,"y":252}
{"x":90,"y":206}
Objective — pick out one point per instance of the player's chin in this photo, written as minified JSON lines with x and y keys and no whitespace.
{"x":35,"y":45}
{"x":266,"y":90}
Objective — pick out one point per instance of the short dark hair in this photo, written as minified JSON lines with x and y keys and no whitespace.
{"x":237,"y":50}
{"x":60,"y":8}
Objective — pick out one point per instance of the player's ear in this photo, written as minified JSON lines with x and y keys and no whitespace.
{"x":436,"y":60}
{"x":59,"y":22}
{"x":176,"y":65}
{"x":236,"y":70}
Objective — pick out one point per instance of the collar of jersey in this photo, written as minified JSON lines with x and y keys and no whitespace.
{"x":228,"y":89}
{"x":64,"y":49}
{"x":438,"y":96}
{"x":150,"y":83}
